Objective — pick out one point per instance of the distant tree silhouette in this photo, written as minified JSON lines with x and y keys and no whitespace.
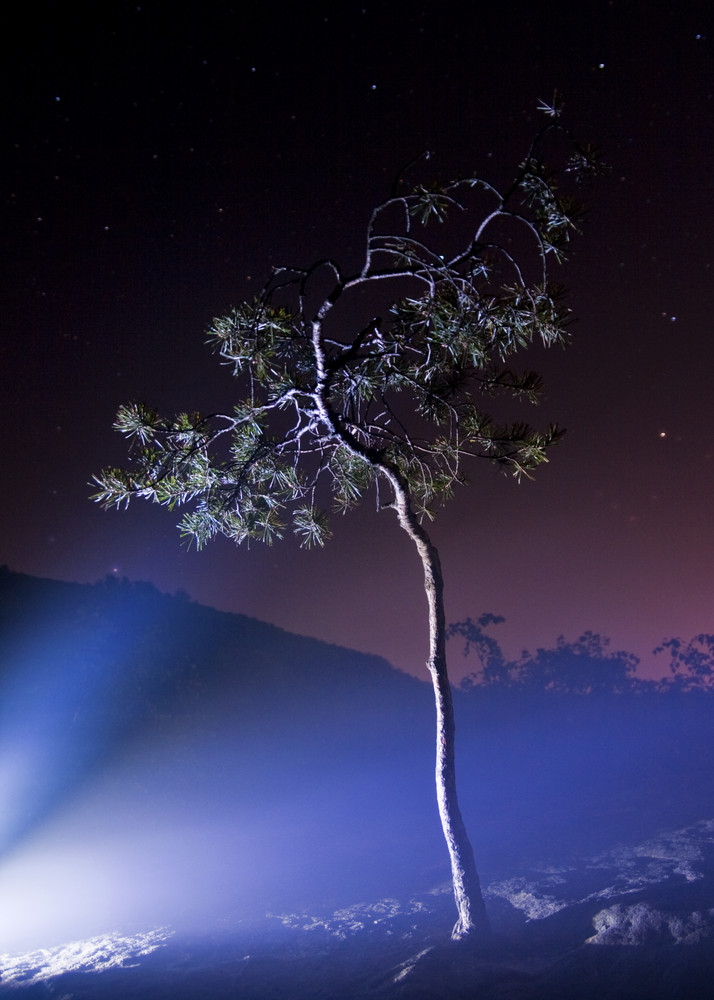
{"x":581,"y":667}
{"x":377,"y":379}
{"x":691,"y":663}
{"x":495,"y":670}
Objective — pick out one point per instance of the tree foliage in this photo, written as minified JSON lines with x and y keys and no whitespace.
{"x":691,"y":663}
{"x":585,"y":666}
{"x":333,"y":402}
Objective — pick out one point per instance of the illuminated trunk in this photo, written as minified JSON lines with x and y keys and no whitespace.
{"x":472,"y":918}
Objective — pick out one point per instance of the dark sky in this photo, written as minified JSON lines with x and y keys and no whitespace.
{"x":158,"y":159}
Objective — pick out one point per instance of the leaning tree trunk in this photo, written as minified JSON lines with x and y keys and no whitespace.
{"x":472,"y":919}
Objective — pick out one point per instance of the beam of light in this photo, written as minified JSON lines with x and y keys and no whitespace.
{"x":121,"y":858}
{"x":61,"y":711}
{"x":127,"y":803}
{"x":146,"y":846}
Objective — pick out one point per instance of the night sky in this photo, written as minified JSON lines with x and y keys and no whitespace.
{"x":158,"y":159}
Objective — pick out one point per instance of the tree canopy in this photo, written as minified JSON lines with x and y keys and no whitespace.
{"x":585,"y":666}
{"x":691,"y":663}
{"x":335,"y":399}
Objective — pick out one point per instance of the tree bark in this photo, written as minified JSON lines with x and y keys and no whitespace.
{"x":472,"y":917}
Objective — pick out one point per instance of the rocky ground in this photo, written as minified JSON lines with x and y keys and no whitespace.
{"x":634,"y":922}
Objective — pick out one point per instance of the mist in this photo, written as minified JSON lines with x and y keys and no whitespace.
{"x":164,"y":763}
{"x":168,"y":768}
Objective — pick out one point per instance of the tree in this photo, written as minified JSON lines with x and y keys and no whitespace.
{"x":336,"y":403}
{"x":495,"y":670}
{"x":583,"y":667}
{"x":691,"y":664}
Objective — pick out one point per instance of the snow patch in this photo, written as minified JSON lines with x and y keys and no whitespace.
{"x":526,"y":896}
{"x":97,"y":954}
{"x":387,"y":915}
{"x":641,"y":924}
{"x":668,"y":858}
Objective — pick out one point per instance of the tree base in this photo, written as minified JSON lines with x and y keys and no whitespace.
{"x":476,"y":934}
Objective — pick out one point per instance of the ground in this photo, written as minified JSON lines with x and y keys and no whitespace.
{"x":634,"y":922}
